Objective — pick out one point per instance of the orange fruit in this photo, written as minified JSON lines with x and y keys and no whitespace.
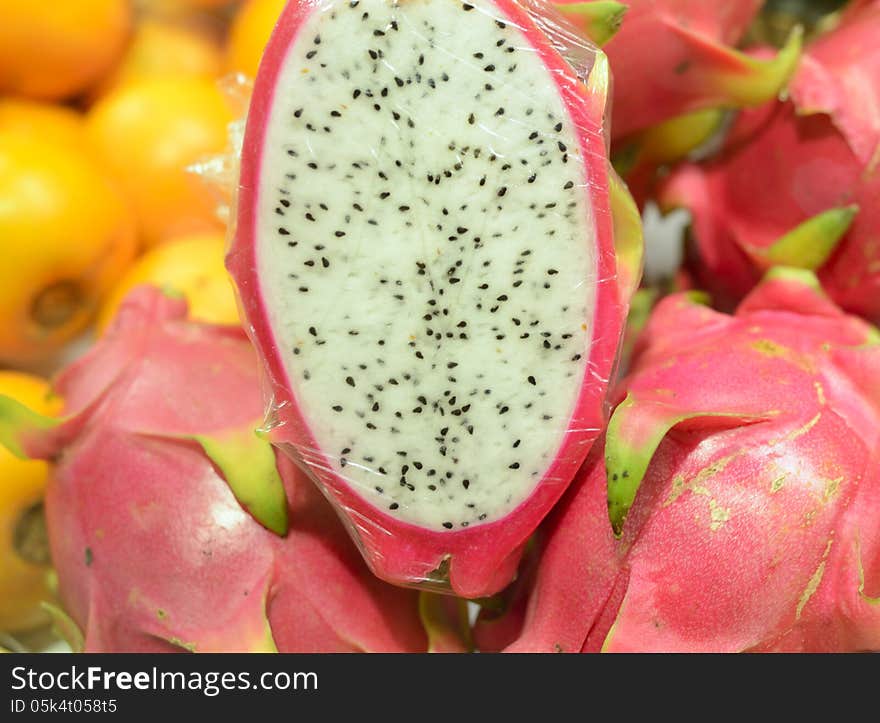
{"x":54,"y":123}
{"x":148,"y":132}
{"x":54,"y":50}
{"x":191,"y":267}
{"x":179,"y":6}
{"x":250,"y":31}
{"x":66,"y":233}
{"x":161,"y":48}
{"x":24,"y":554}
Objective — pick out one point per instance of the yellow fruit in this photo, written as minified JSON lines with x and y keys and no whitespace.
{"x":249,"y":34}
{"x":148,"y":132}
{"x":50,"y":122}
{"x":24,"y":554}
{"x":159,"y":48}
{"x":54,"y":50}
{"x":66,"y":233}
{"x":191,"y":267}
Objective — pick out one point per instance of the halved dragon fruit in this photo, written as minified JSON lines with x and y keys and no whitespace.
{"x":741,"y":471}
{"x":425,"y":256}
{"x":814,"y":202}
{"x":171,"y":528}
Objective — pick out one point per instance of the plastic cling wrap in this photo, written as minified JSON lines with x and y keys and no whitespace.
{"x":425,"y":254}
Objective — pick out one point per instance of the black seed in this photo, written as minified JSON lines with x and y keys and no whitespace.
{"x":393,"y":506}
{"x":515,"y":465}
{"x":489,"y":68}
{"x":349,"y":381}
{"x":532,"y":380}
{"x":297,"y":113}
{"x":447,"y":525}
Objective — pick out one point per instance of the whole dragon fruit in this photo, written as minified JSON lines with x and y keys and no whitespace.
{"x":798,"y":181}
{"x":674,"y":57}
{"x":425,"y":253}
{"x":742,"y":473}
{"x":169,"y":525}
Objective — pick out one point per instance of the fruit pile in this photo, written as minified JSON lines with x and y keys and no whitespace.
{"x":349,"y":347}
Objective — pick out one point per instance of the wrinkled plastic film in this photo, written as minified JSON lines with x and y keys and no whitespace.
{"x":441,"y":406}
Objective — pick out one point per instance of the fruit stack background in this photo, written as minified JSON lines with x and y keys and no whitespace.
{"x":741,"y":465}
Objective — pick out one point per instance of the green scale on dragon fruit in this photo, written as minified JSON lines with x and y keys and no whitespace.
{"x":171,"y":527}
{"x":741,"y":475}
{"x":425,"y":253}
{"x":676,"y":70}
{"x":798,"y":182}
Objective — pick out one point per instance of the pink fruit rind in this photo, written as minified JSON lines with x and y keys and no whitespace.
{"x":481,"y":559}
{"x":755,"y":537}
{"x":152,"y":549}
{"x":814,"y":203}
{"x":838,"y":77}
{"x":673,"y":57}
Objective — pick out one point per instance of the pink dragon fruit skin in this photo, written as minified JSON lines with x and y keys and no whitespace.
{"x":481,"y":559}
{"x":751,"y":441}
{"x":798,"y":181}
{"x":153,"y":550}
{"x":673,"y":57}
